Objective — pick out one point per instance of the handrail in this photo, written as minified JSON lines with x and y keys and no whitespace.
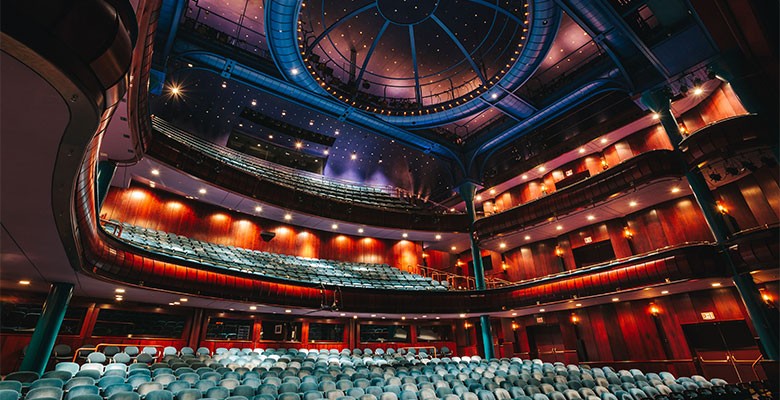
{"x":454,"y":279}
{"x":420,"y":348}
{"x":99,"y":346}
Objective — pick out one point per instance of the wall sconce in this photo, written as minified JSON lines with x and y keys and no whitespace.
{"x":627,"y":233}
{"x":515,"y":325}
{"x":504,"y":265}
{"x":544,"y":188}
{"x":721,"y":208}
{"x":604,"y":163}
{"x":683,"y":129}
{"x":654,"y":310}
{"x":467,"y":325}
{"x":559,"y":251}
{"x":575,"y":319}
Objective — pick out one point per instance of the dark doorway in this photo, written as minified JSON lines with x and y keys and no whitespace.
{"x":545,"y":342}
{"x":593,"y":253}
{"x":725,"y":349}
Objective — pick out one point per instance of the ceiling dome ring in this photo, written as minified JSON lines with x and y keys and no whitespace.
{"x":288,"y":48}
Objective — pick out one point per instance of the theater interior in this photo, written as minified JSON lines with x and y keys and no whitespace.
{"x":389,"y":200}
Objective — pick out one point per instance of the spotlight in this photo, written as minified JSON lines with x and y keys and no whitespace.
{"x":748,"y":165}
{"x":715,"y":176}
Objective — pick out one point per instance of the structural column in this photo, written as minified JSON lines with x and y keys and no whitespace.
{"x":47,"y":328}
{"x":467,"y":191}
{"x":768,"y":334}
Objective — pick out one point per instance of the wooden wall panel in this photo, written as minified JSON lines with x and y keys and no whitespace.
{"x":167,"y":212}
{"x":721,"y":103}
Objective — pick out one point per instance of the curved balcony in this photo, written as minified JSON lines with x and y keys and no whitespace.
{"x":637,"y":171}
{"x":295,"y":189}
{"x":724,"y":138}
{"x":757,"y":248}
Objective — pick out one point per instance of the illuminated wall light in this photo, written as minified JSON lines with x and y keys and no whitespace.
{"x":298,"y":145}
{"x":575,"y":319}
{"x":542,"y":310}
{"x":559,"y":251}
{"x":603,"y":140}
{"x":138,"y":195}
{"x":578,"y":305}
{"x":654,"y":309}
{"x":155,"y":172}
{"x":721,"y":208}
{"x":627,"y":233}
{"x":403,"y":318}
{"x":294,"y":71}
{"x":354,"y":317}
{"x":515,"y":325}
{"x":479,"y":197}
{"x":524,"y":176}
{"x":176,"y":303}
{"x":492,"y":191}
{"x":462,"y":315}
{"x":766,"y":297}
{"x":24,"y":282}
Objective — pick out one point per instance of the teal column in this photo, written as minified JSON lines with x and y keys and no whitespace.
{"x":47,"y":328}
{"x":105,"y":173}
{"x":767,"y":332}
{"x":467,"y":191}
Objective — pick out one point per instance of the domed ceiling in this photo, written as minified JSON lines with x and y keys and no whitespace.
{"x":395,"y":57}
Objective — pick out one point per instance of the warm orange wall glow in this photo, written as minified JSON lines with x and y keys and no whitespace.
{"x":167,"y":212}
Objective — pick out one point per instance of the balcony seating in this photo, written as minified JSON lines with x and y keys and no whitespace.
{"x":366,"y":195}
{"x":275,"y":266}
{"x":286,"y":374}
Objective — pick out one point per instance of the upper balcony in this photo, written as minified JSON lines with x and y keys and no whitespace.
{"x":301,"y":190}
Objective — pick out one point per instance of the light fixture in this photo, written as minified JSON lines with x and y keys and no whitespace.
{"x":603,"y":140}
{"x":527,"y":237}
{"x":118,"y":299}
{"x":354,"y":317}
{"x":502,"y":245}
{"x":591,"y":217}
{"x":298,"y":145}
{"x":326,"y":152}
{"x":697,"y":89}
{"x":615,"y":299}
{"x":353,"y":156}
{"x":254,"y":102}
{"x":559,"y":251}
{"x":656,"y":116}
{"x":155,"y":172}
{"x":524,"y":176}
{"x":766,"y":297}
{"x":514,"y":314}
{"x":453,"y":248}
{"x":494,"y":96}
{"x":342,"y":314}
{"x":559,"y":227}
{"x":492,"y":191}
{"x":654,"y":310}
{"x":294,"y":71}
{"x":176,"y":303}
{"x":664,"y":292}
{"x":258,"y":209}
{"x":24,"y":282}
{"x":288,"y":311}
{"x":373,"y":315}
{"x":581,"y":150}
{"x":578,"y":305}
{"x":202,"y":191}
{"x":479,"y":197}
{"x":721,"y":208}
{"x":515,"y":325}
{"x":334,"y":226}
{"x":542,"y":169}
{"x":627,"y":233}
{"x":287,"y":217}
{"x":716,"y":284}
{"x":224,"y":85}
{"x":403,"y":318}
{"x":675,"y":189}
{"x":632,"y":204}
{"x":438,"y":237}
{"x":270,"y":137}
{"x":360,"y":230}
{"x":575,"y":319}
{"x":252,"y":308}
{"x":404,"y":235}
{"x":119,"y":290}
{"x":462,"y":315}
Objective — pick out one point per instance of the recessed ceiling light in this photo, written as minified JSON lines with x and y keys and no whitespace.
{"x":183,"y":299}
{"x":664,"y":292}
{"x":259,"y":209}
{"x":524,"y":176}
{"x":438,"y":237}
{"x":373,"y":315}
{"x":675,"y":189}
{"x":403,"y":318}
{"x":155,"y":172}
{"x":578,"y":305}
{"x":462,"y":315}
{"x":353,"y":156}
{"x":514,"y":314}
{"x":253,"y":308}
{"x":542,"y":169}
{"x":202,"y":191}
{"x":342,"y":314}
{"x":119,"y":290}
{"x":336,"y":132}
{"x":311,"y":122}
{"x":615,"y":299}
{"x":453,"y":248}
{"x":326,"y":152}
{"x":716,"y":284}
{"x":405,"y":235}
{"x":294,"y":71}
{"x":334,"y":226}
{"x":494,"y":96}
{"x":603,"y":140}
{"x":632,"y":204}
{"x":698,"y":91}
{"x":559,"y":227}
{"x":591,"y":218}
{"x":287,"y":217}
{"x":284,"y":113}
{"x":288,"y":311}
{"x":298,"y":145}
{"x":581,"y":150}
{"x":254,"y":102}
{"x":656,"y":116}
{"x":527,"y":237}
{"x":224,"y":85}
{"x":492,"y":191}
{"x":360,"y":230}
{"x":502,"y":245}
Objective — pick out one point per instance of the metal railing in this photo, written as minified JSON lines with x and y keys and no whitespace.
{"x":101,"y":346}
{"x":458,"y":282}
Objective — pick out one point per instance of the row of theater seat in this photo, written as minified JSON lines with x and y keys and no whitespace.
{"x":445,"y":379}
{"x":311,"y":270}
{"x":298,"y":180}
